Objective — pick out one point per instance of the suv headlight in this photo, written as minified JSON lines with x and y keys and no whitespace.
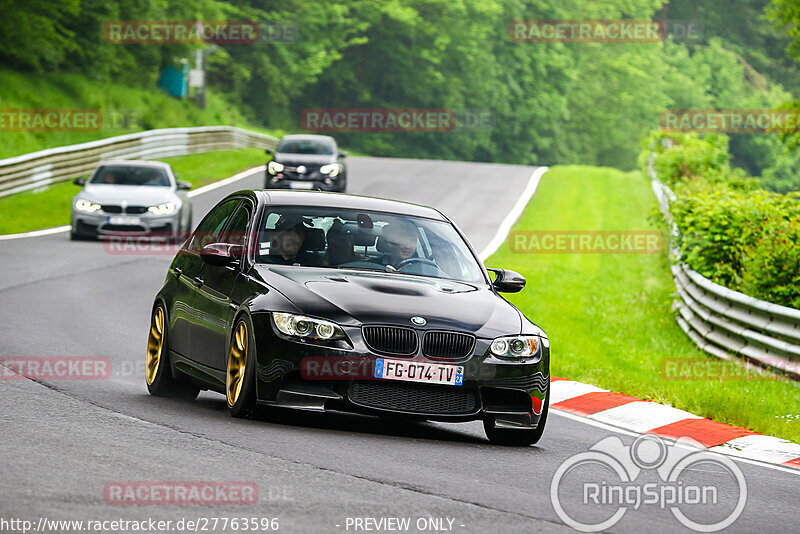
{"x":515,"y":346}
{"x":85,"y":205}
{"x":331,"y":170}
{"x":162,"y":209}
{"x":304,"y":327}
{"x":274,"y":167}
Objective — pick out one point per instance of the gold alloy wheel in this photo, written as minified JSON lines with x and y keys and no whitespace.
{"x":237,"y":361}
{"x":155,"y":344}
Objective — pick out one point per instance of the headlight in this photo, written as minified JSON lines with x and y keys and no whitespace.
{"x":515,"y":346}
{"x":162,"y":209}
{"x":85,"y":205}
{"x":331,"y":170}
{"x":307,"y":327}
{"x":274,"y":167}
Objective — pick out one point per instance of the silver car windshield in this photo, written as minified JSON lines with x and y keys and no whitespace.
{"x":347,"y":239}
{"x":131,"y":175}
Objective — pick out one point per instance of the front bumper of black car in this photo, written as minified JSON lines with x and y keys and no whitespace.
{"x":311,"y":377}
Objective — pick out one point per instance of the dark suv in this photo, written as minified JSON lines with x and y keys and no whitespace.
{"x":307,"y":162}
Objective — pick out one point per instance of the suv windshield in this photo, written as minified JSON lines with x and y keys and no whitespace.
{"x":347,"y":239}
{"x":305,"y":146}
{"x":131,"y":175}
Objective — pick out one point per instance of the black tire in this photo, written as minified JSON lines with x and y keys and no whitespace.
{"x":517,"y":438}
{"x":163,"y":383}
{"x":244,"y":404}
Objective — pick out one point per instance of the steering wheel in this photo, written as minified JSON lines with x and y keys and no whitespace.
{"x":409,"y":261}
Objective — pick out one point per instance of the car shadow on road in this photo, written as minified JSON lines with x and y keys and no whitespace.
{"x":339,"y":421}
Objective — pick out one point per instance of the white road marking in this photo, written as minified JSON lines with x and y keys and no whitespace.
{"x":613,"y":428}
{"x":561,"y":390}
{"x":513,"y":215}
{"x":641,"y":416}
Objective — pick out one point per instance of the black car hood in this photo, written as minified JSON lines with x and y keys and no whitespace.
{"x":293,"y":160}
{"x":352,"y":297}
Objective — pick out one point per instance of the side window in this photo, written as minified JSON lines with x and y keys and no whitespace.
{"x":209,"y":229}
{"x":236,"y":231}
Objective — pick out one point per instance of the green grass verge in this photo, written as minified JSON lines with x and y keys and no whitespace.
{"x":50,"y":206}
{"x":124,"y":109}
{"x":609,"y":316}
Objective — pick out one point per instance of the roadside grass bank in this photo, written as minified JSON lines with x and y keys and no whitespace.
{"x":609,"y":316}
{"x":123,"y":110}
{"x":50,"y":206}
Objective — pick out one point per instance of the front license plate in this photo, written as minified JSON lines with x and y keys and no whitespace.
{"x":301,"y":185}
{"x":433,"y":373}
{"x":124,"y":221}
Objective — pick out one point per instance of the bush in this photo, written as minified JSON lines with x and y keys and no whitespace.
{"x":688,"y":158}
{"x":730,"y":230}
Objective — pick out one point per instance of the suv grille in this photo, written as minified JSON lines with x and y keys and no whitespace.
{"x":391,"y":340}
{"x":414,"y":398}
{"x":449,"y":345}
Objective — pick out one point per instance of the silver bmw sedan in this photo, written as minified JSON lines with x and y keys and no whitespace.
{"x":131,"y":198}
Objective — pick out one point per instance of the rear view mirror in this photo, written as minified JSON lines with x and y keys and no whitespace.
{"x":342,"y":154}
{"x":507,"y":281}
{"x":268,"y":150}
{"x":80,"y":181}
{"x":221,"y":254}
{"x":184,"y":186}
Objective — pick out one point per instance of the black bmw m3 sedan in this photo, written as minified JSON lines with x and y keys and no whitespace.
{"x":323,"y":301}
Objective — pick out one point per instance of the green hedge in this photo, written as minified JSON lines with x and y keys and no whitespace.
{"x":730,"y":231}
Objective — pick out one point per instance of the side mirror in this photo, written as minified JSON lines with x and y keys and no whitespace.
{"x":221,"y":254}
{"x":184,"y":186}
{"x":507,"y":281}
{"x":342,"y":154}
{"x":268,"y":150}
{"x":80,"y":181}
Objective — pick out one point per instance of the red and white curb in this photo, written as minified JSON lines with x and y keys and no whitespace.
{"x":645,"y":417}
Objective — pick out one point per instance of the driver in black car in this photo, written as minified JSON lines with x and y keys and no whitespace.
{"x":401,"y":242}
{"x":287,"y":246}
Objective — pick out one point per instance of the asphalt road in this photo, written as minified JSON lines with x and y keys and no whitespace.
{"x":62,"y":442}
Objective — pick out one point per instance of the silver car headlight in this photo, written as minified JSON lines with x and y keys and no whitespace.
{"x":274,"y":167}
{"x":304,"y":327}
{"x":86,"y":205}
{"x":331,"y":170}
{"x":162,"y":209}
{"x":515,"y":346}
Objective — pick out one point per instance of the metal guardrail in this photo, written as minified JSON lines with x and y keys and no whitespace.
{"x":728,"y":324}
{"x":37,"y":169}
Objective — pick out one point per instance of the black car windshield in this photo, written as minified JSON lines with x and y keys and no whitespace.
{"x":306,"y":146}
{"x":348,"y":239}
{"x":130,"y":175}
